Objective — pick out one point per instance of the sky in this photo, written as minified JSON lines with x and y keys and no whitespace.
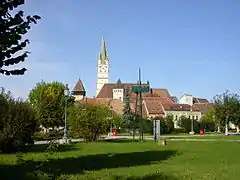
{"x":187,"y":46}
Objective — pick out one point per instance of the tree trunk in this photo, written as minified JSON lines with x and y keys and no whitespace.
{"x":226,"y":129}
{"x":133,"y":134}
{"x":218,"y":129}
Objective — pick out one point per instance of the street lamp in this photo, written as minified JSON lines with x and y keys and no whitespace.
{"x":66,"y":94}
{"x":192,"y":131}
{"x":111,"y":118}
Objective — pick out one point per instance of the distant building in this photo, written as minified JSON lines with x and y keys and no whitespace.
{"x":162,"y":107}
{"x":190,"y":100}
{"x":117,"y":91}
{"x":79,"y":91}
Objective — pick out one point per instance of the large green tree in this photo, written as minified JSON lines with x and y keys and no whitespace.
{"x":12,"y":29}
{"x":226,"y":108}
{"x":48,"y":101}
{"x":89,"y":121}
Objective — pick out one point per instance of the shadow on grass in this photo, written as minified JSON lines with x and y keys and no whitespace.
{"x":158,"y":176}
{"x":77,"y":165}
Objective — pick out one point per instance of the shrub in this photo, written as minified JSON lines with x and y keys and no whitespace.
{"x":179,"y":130}
{"x":38,"y":136}
{"x":17,"y":123}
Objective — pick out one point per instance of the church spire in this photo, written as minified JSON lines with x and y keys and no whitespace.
{"x":103,"y":53}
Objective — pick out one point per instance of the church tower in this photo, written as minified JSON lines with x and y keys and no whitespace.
{"x":103,"y":67}
{"x":79,"y":91}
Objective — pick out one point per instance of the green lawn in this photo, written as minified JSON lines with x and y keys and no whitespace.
{"x":216,"y":137}
{"x":126,"y":160}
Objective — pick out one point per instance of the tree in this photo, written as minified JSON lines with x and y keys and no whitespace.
{"x":12,"y":29}
{"x":169,"y":124}
{"x":17,"y":123}
{"x":89,"y":121}
{"x":226,"y":108}
{"x":185,"y":123}
{"x":208,"y":121}
{"x":49,"y":102}
{"x":236,"y":120}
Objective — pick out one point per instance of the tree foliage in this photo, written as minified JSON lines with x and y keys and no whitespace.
{"x":185,"y":123}
{"x":227,"y":108}
{"x":48,"y":101}
{"x":12,"y":29}
{"x":17,"y":122}
{"x":208,"y":121}
{"x":169,"y":124}
{"x":89,"y":121}
{"x":166,"y":124}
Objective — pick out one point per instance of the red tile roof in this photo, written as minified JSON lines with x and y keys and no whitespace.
{"x":107,"y":89}
{"x":144,"y":110}
{"x":79,"y":86}
{"x":203,"y":107}
{"x":154,"y":107}
{"x":115,"y":104}
{"x":200,"y":100}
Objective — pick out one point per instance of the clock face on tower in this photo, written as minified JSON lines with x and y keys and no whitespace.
{"x":103,"y":69}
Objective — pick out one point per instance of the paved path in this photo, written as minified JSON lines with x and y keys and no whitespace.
{"x":173,"y":138}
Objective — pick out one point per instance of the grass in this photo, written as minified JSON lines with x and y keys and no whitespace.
{"x":215,"y":137}
{"x":124,"y":160}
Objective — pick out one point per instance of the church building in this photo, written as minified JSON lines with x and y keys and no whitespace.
{"x":156,"y":103}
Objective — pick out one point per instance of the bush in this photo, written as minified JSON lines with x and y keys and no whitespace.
{"x":17,"y":123}
{"x":38,"y":136}
{"x":179,"y":130}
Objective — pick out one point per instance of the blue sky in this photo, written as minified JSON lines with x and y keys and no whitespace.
{"x":187,"y":46}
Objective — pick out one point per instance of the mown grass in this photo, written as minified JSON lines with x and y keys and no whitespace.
{"x":128,"y":160}
{"x":214,"y":137}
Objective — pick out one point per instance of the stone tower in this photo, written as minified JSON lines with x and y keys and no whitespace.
{"x":103,"y":67}
{"x":79,"y":91}
{"x":118,"y":91}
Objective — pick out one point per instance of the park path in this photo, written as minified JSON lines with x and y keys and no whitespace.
{"x":172,"y":138}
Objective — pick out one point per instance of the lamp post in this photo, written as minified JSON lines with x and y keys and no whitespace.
{"x":66,"y":94}
{"x":111,"y":118}
{"x":192,"y":131}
